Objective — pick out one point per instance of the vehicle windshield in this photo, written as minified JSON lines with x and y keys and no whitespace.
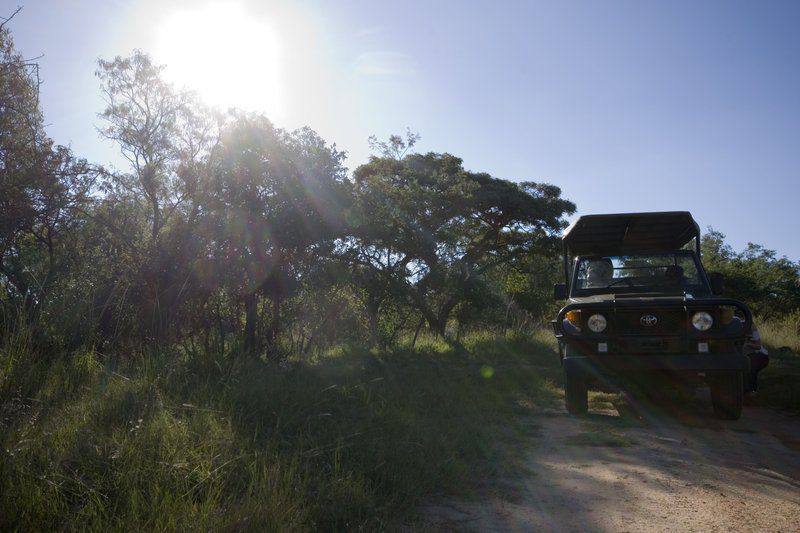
{"x":667,"y":273}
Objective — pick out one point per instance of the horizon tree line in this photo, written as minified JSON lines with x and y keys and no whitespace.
{"x":229,"y":235}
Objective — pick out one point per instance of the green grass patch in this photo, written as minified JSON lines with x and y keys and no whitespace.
{"x":779,"y":383}
{"x":350,"y":440}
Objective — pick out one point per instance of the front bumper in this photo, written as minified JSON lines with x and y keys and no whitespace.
{"x":631,"y":364}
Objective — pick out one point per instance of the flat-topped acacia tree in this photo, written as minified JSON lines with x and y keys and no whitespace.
{"x":431,"y":230}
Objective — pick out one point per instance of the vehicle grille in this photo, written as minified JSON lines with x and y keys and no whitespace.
{"x":668,"y":322}
{"x":648,"y":345}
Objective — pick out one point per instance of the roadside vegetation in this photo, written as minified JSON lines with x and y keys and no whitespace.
{"x":350,"y":439}
{"x":237,"y":332}
{"x":779,"y":383}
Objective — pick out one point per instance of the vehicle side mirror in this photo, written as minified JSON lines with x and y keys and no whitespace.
{"x":717,"y":281}
{"x":560,"y":291}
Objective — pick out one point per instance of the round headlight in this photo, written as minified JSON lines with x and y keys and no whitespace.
{"x":597,"y":323}
{"x":702,"y":321}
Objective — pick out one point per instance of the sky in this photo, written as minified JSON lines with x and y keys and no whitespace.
{"x":626,"y":105}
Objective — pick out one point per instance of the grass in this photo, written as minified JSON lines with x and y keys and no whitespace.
{"x":781,"y":335}
{"x":779,"y":383}
{"x":351,"y":440}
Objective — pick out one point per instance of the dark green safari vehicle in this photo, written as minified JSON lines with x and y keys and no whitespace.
{"x":641,"y":307}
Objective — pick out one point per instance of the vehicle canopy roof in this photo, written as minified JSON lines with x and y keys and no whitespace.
{"x":630,"y":233}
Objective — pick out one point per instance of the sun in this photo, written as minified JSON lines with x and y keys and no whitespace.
{"x":225,"y":54}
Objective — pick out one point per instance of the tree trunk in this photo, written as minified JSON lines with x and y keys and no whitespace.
{"x":373,"y":308}
{"x":274,"y":330}
{"x":156,"y":221}
{"x":427,"y":312}
{"x":251,"y":319}
{"x":444,"y":314}
{"x":416,"y":332}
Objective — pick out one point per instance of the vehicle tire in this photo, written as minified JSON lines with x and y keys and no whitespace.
{"x":727,"y":392}
{"x":576,"y":394}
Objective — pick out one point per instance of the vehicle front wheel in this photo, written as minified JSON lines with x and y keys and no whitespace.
{"x":727,"y":393}
{"x":576,"y":394}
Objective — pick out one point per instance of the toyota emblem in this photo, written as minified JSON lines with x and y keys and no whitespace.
{"x":648,"y":320}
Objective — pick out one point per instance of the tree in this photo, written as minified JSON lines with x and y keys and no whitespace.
{"x":167,"y":137}
{"x":432,"y":230}
{"x":42,"y":186}
{"x":527,"y":282}
{"x":769,"y":284}
{"x":276,"y":206}
{"x":142,"y":114}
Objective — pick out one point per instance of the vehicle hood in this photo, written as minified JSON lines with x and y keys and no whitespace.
{"x":644,"y":298}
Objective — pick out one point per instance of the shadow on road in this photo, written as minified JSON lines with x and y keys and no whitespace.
{"x":657,"y":459}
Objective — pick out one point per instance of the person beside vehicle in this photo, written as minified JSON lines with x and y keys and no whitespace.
{"x":759,"y":359}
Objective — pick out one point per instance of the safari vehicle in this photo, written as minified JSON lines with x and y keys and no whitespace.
{"x":641,"y":307}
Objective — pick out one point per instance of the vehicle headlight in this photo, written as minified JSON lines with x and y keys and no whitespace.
{"x":702,"y":321}
{"x":597,"y":323}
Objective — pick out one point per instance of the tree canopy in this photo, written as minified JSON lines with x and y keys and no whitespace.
{"x":769,"y":284}
{"x":433,"y":230}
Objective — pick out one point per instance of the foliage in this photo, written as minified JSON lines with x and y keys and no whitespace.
{"x":429,"y":231}
{"x":42,"y":190}
{"x":770,"y":285}
{"x":275,"y":205}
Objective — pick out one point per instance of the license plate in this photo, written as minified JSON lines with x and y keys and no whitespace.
{"x":652,"y":345}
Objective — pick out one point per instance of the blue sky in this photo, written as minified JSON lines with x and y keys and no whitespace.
{"x":627,"y":106}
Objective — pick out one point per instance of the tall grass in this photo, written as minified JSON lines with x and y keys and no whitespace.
{"x":779,"y":383}
{"x":352,"y":439}
{"x":781,"y":334}
{"x":16,"y":353}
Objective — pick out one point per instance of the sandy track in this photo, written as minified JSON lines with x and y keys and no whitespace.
{"x":642,"y":470}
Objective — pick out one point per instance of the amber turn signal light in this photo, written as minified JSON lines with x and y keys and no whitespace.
{"x":573,"y":316}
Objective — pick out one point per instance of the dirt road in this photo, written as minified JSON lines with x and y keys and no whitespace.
{"x":643,"y":467}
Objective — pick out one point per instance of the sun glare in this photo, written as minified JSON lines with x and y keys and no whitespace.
{"x":224,"y":54}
